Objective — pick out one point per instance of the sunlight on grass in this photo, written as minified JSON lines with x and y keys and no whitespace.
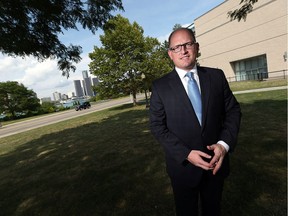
{"x":254,"y":84}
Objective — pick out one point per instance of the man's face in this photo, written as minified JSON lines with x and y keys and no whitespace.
{"x":183,"y":52}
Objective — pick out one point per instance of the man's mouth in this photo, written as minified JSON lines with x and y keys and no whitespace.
{"x":185,"y":57}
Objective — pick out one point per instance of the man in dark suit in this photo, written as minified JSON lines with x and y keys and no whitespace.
{"x":196,"y":150}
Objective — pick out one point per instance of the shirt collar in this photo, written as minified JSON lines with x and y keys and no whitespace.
{"x":182,"y":73}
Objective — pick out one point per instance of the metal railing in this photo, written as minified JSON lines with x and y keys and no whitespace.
{"x":281,"y":74}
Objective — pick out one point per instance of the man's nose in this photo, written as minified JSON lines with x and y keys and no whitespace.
{"x":183,"y":48}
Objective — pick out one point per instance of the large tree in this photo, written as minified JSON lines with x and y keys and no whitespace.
{"x":15,"y":97}
{"x":125,"y":56}
{"x":156,"y":64}
{"x":31,"y":27}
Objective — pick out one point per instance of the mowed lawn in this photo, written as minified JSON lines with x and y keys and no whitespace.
{"x":108,"y":163}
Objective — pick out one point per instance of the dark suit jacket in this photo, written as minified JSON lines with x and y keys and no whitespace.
{"x":174,"y":123}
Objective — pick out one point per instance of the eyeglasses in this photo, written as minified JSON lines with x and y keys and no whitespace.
{"x":177,"y":48}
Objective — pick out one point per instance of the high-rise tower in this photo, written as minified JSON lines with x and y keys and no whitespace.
{"x":78,"y":88}
{"x":85,"y":74}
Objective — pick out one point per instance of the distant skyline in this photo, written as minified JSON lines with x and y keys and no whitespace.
{"x":157,"y":18}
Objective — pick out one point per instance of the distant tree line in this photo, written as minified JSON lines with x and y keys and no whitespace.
{"x":17,"y":101}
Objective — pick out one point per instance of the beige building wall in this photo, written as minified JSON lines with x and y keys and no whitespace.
{"x":264,"y":32}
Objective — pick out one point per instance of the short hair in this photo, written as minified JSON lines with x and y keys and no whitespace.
{"x":178,"y":29}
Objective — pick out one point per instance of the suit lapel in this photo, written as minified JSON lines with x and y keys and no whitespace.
{"x":177,"y":86}
{"x":204,"y":80}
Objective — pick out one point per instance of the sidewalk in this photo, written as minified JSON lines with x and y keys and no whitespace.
{"x":260,"y":90}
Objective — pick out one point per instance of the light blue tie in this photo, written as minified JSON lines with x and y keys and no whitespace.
{"x":194,"y":95}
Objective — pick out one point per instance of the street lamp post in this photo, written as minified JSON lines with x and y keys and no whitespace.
{"x":143,"y":76}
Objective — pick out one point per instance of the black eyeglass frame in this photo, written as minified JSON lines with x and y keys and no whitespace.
{"x":178,"y":47}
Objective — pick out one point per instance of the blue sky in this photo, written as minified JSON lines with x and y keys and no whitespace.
{"x":157,"y":18}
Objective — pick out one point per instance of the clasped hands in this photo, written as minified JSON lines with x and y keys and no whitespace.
{"x":197,"y":158}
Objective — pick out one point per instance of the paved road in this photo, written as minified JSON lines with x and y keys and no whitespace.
{"x":261,"y":90}
{"x":22,"y":126}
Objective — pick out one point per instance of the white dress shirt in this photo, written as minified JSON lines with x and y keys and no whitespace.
{"x":185,"y":79}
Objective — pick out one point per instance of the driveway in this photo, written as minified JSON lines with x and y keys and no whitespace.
{"x":26,"y":125}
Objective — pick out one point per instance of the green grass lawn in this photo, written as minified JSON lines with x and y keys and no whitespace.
{"x":108,"y":163}
{"x":254,"y":84}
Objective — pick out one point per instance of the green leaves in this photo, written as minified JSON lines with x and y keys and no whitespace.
{"x":124,"y":56}
{"x":31,"y":28}
{"x":15,"y":97}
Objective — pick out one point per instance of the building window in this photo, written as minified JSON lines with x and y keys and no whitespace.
{"x":251,"y":69}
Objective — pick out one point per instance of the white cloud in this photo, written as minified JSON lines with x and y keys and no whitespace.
{"x":39,"y":72}
{"x":163,"y":38}
{"x":44,"y":78}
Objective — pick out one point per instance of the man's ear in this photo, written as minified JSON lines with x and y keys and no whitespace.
{"x":197,"y":46}
{"x":170,"y":54}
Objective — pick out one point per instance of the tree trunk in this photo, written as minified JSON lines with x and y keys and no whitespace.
{"x":134,"y":98}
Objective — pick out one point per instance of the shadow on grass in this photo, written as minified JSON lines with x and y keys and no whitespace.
{"x":115,"y":167}
{"x":258,"y":181}
{"x":112,"y":167}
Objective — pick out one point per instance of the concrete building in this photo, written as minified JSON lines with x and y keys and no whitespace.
{"x":71,"y":94}
{"x":245,"y":50}
{"x":87,"y":86}
{"x":78,"y":88}
{"x":86,"y":89}
{"x":57,"y":96}
{"x":86,"y":83}
{"x":85,"y":74}
{"x":64,"y":97}
{"x":45,"y":99}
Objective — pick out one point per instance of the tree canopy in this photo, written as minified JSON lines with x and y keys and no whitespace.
{"x":125,"y":56}
{"x":31,"y":27}
{"x":16,"y":98}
